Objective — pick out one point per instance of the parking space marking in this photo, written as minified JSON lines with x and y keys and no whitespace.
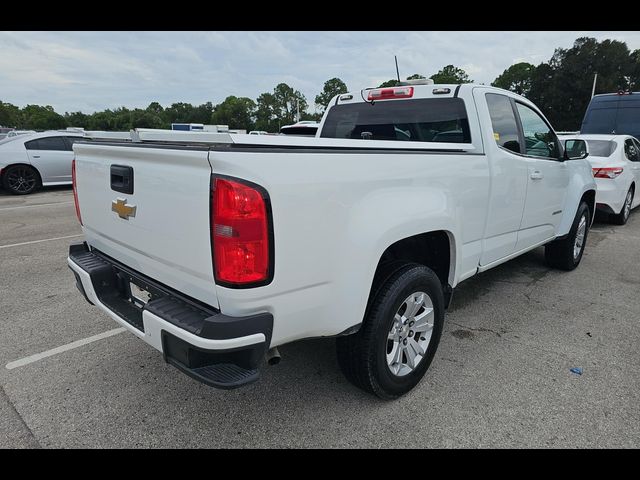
{"x":39,"y":241}
{"x":64,"y":348}
{"x":36,"y":205}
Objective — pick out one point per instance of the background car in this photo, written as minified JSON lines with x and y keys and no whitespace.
{"x":28,"y":162}
{"x":305,"y":128}
{"x":613,"y":113}
{"x":615,"y":160}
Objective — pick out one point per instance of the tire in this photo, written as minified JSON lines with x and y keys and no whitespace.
{"x":561,"y":254}
{"x":364,"y":356}
{"x":20,"y":179}
{"x":622,"y":217}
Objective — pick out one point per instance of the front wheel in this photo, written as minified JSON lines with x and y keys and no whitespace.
{"x":566,"y":254}
{"x":20,"y":179}
{"x":393,"y":349}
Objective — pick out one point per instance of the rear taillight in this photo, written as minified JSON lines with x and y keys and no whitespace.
{"x":389,"y":93}
{"x":240,"y":233}
{"x":609,"y":172}
{"x":75,"y":190}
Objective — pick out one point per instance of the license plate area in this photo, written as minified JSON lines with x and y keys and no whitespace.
{"x":139,"y":295}
{"x":134,"y":290}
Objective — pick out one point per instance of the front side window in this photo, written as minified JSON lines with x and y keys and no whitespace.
{"x":417,"y":120}
{"x":539,"y":139}
{"x":503,"y":121}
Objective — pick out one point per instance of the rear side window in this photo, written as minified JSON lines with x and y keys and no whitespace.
{"x":631,"y":151}
{"x":70,"y":141}
{"x":601,"y":148}
{"x":47,"y":143}
{"x":418,"y":120}
{"x":503,"y":121}
{"x":599,"y":120}
{"x":628,"y":120}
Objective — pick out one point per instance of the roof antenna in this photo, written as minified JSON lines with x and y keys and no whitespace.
{"x":397,"y":71}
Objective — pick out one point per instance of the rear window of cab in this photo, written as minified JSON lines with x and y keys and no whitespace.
{"x":418,"y":120}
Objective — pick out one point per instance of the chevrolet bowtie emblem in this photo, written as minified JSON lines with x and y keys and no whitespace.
{"x":122,"y":209}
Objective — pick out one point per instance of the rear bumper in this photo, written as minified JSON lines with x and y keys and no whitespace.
{"x":221,"y":351}
{"x":610,"y":195}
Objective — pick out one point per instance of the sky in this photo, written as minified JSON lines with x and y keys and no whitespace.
{"x":92,"y":71}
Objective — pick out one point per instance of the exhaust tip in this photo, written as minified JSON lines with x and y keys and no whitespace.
{"x":273,"y":356}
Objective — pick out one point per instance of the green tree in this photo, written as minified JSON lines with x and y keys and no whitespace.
{"x":179,"y":112}
{"x":634,"y":70}
{"x":267,"y":113}
{"x":10,"y":115}
{"x":332,"y":87}
{"x":415,"y":76}
{"x":235,"y":112}
{"x":201,"y":113}
{"x":76,"y":119}
{"x":316,"y":117}
{"x":451,"y":74}
{"x":103,"y":120}
{"x":155,"y":107}
{"x":389,"y":83}
{"x":517,"y":78}
{"x":562,"y":87}
{"x":139,"y":118}
{"x":36,"y":117}
{"x":288,"y":103}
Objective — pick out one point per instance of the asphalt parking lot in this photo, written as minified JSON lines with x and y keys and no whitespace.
{"x":500,"y":377}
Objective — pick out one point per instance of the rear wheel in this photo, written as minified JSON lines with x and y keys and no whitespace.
{"x":566,"y":254}
{"x":622,"y":217}
{"x":20,"y":179}
{"x":394,"y":347}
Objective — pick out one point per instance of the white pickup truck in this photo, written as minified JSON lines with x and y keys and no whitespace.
{"x":217,"y":248}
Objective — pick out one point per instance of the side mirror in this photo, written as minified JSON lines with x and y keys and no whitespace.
{"x":575,"y":150}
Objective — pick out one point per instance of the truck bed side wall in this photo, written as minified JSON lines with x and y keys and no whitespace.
{"x":334,"y":214}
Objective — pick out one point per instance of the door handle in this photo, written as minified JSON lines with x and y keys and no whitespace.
{"x":536,"y":175}
{"x":36,"y":156}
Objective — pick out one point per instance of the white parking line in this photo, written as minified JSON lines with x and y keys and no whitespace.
{"x":64,"y":348}
{"x":39,"y":241}
{"x":36,"y":205}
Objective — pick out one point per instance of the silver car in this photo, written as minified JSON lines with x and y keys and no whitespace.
{"x":28,"y":162}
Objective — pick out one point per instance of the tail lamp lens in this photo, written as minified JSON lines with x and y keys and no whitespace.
{"x":609,"y":172}
{"x":75,"y":190}
{"x":240,"y":233}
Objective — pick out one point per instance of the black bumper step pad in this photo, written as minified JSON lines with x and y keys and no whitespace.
{"x":226,"y":375}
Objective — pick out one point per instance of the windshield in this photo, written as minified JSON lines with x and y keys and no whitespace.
{"x":419,"y":120}
{"x":601,"y":148}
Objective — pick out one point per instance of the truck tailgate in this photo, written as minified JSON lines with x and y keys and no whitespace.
{"x":168,"y":238}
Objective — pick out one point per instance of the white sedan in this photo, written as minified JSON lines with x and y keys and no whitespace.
{"x":615,"y":160}
{"x":28,"y":162}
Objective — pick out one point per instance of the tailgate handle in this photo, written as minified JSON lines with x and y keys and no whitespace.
{"x":122,"y":179}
